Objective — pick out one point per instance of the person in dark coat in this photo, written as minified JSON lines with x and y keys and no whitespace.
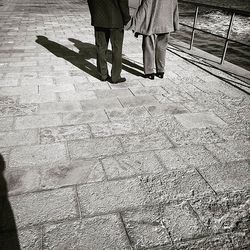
{"x":155,"y":20}
{"x":109,"y":18}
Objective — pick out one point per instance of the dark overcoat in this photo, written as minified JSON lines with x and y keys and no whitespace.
{"x":109,"y":13}
{"x":156,"y":17}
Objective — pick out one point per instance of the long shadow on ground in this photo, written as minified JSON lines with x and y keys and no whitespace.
{"x":87,"y":51}
{"x":8,"y":231}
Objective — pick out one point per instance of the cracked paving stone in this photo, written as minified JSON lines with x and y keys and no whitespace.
{"x":101,"y":232}
{"x":65,"y":133}
{"x":153,"y":226}
{"x":131,"y":164}
{"x":46,"y":206}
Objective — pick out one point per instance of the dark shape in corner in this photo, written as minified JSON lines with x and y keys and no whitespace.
{"x":8,"y":231}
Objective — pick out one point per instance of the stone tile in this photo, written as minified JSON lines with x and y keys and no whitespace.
{"x":119,"y":127}
{"x":59,"y":107}
{"x":9,"y":82}
{"x":8,"y":100}
{"x":106,"y":197}
{"x":94,"y":147}
{"x":170,"y":159}
{"x":77,"y":96}
{"x":37,"y":121}
{"x":112,"y":93}
{"x":131,"y":164}
{"x":145,"y":142}
{"x":101,"y":232}
{"x":38,"y":155}
{"x":127,"y":84}
{"x":137,"y":101}
{"x":229,"y":176}
{"x":38,"y":98}
{"x":199,"y":120}
{"x":65,"y":133}
{"x":196,"y":156}
{"x":223,"y":213}
{"x":47,"y":81}
{"x":162,"y":109}
{"x":223,"y":153}
{"x":77,"y":172}
{"x":231,"y":151}
{"x":173,"y":185}
{"x":6,"y":124}
{"x":152,"y":226}
{"x":46,"y":206}
{"x":6,"y":91}
{"x":18,"y":109}
{"x":20,"y":137}
{"x":182,"y":137}
{"x":91,"y":85}
{"x":30,"y":238}
{"x":22,"y":180}
{"x":147,"y":91}
{"x":84,"y":117}
{"x":104,"y":103}
{"x":43,"y":89}
{"x":127,"y":113}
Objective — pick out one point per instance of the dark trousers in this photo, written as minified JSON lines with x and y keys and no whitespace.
{"x":102,"y":38}
{"x":154,"y":52}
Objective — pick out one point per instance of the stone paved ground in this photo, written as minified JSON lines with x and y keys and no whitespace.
{"x":145,"y":164}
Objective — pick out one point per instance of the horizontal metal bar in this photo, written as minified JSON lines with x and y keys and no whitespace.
{"x":231,"y":40}
{"x":237,"y":11}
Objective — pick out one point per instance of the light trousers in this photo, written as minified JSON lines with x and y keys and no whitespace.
{"x":154,"y":52}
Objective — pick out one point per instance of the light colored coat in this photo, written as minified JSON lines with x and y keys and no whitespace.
{"x":156,"y":17}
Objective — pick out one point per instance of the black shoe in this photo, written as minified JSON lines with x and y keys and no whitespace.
{"x":122,"y":79}
{"x":105,"y":79}
{"x":160,"y":74}
{"x":150,"y":76}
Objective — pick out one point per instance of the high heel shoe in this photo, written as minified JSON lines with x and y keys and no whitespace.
{"x":150,"y":76}
{"x":160,"y":74}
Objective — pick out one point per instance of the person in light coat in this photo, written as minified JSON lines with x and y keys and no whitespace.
{"x":155,"y":20}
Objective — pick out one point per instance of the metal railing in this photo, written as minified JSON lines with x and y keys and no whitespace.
{"x":227,"y":38}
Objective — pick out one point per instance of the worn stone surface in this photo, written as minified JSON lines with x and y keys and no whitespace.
{"x":38,"y":155}
{"x":6,"y":124}
{"x":65,"y":133}
{"x":131,"y":164}
{"x":102,"y":232}
{"x":98,"y":147}
{"x":35,"y":208}
{"x":160,"y":225}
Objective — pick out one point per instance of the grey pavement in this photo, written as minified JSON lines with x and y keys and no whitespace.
{"x":160,"y":164}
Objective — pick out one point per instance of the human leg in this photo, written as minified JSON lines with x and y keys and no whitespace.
{"x":148,"y":49}
{"x":116,"y":39}
{"x":160,"y":53}
{"x":102,"y":36}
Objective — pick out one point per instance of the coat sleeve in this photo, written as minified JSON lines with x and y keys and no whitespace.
{"x":176,"y":17}
{"x":125,"y":10}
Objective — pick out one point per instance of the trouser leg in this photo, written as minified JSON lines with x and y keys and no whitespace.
{"x":161,"y":44}
{"x":148,"y":49}
{"x":102,"y":36}
{"x":116,"y":39}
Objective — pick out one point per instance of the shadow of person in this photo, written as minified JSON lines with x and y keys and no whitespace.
{"x":8,"y":231}
{"x":77,"y":59}
{"x":88,"y":51}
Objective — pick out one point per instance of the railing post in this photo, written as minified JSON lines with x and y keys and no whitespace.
{"x":227,"y":38}
{"x":194,"y":26}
